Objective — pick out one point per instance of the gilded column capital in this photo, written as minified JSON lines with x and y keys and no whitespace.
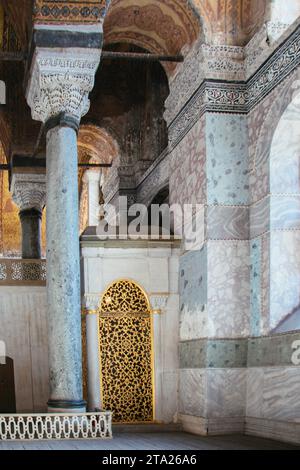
{"x":60,"y":82}
{"x":29,"y":190}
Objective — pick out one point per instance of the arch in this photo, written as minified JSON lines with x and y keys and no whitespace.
{"x":126,"y":352}
{"x":159,"y":26}
{"x":166,"y":26}
{"x":96,"y":145}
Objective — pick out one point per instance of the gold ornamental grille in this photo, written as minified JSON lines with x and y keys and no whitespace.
{"x":126,"y":351}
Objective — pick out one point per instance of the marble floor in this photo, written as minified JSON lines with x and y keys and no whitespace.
{"x":155,"y":441}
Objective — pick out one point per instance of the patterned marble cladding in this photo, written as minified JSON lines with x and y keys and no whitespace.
{"x":192,"y":392}
{"x":227,"y":223}
{"x":212,"y":393}
{"x":285,"y":160}
{"x":260,"y":217}
{"x":271,"y":350}
{"x":285,"y":275}
{"x":267,"y":351}
{"x":273,"y":393}
{"x":228,"y":289}
{"x":226,"y":392}
{"x":193,"y":294}
{"x":188,"y":168}
{"x":227,"y":159}
{"x":255,"y":293}
{"x":222,"y":353}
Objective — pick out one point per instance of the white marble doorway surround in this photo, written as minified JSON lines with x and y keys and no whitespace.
{"x":153,"y":265}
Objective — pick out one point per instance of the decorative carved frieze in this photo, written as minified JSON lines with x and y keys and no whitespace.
{"x":66,"y":11}
{"x":29,"y":190}
{"x":234,"y":97}
{"x":22,"y":272}
{"x":267,"y":58}
{"x":60,"y":82}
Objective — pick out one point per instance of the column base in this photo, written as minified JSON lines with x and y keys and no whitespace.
{"x":66,"y":406}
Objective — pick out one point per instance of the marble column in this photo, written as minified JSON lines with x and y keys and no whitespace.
{"x":92,"y":349}
{"x":92,"y":179}
{"x":58,"y":89}
{"x":29,"y":193}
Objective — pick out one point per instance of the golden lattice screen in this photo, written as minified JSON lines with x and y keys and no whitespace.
{"x":126,"y":353}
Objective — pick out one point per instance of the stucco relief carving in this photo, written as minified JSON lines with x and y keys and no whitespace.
{"x":61,"y":81}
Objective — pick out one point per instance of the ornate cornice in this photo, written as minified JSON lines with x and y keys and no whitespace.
{"x":29,"y":190}
{"x":60,"y":82}
{"x":233,"y":96}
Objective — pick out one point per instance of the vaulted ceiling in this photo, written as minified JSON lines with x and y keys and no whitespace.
{"x":157,"y":25}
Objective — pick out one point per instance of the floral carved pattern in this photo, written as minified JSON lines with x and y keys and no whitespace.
{"x":64,"y":11}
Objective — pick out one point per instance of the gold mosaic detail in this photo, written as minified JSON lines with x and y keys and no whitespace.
{"x":125,"y":335}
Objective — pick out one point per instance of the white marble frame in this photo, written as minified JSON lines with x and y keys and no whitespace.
{"x":156,"y":271}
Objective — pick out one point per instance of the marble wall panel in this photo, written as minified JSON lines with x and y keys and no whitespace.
{"x":205,"y":353}
{"x":260,"y":217}
{"x":285,"y":159}
{"x":192,"y":392}
{"x":255,"y":389}
{"x":188,"y":168}
{"x":274,"y":350}
{"x":255,"y":287}
{"x":273,"y":393}
{"x":285,"y":275}
{"x":228,"y":289}
{"x":285,"y":212}
{"x":226,"y":392}
{"x":281,"y":398}
{"x":227,"y":159}
{"x":193,"y":294}
{"x":227,"y":223}
{"x":262,"y":123}
{"x":23,"y":321}
{"x":265,"y":284}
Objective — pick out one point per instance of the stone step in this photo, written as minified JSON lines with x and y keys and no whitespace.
{"x":146,"y":427}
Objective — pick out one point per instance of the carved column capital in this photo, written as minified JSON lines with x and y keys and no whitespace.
{"x":60,"y":82}
{"x":29,"y":190}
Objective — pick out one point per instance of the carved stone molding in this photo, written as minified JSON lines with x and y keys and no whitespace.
{"x":266,"y":59}
{"x":235,"y":97}
{"x":29,"y":190}
{"x":60,"y":82}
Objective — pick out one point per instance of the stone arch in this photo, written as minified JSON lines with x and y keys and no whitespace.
{"x":95,"y":145}
{"x":163,"y":26}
